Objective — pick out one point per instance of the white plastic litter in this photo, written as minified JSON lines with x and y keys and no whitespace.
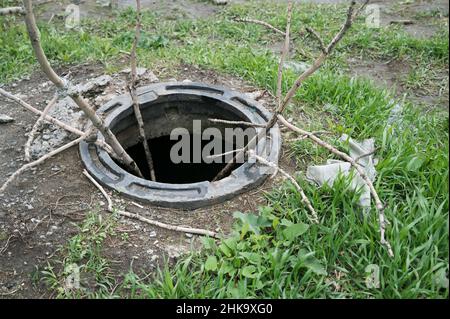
{"x":327,"y":174}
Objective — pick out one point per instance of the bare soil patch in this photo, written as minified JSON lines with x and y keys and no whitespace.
{"x":40,"y":211}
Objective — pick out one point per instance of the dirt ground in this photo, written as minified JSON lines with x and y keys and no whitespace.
{"x":41,"y":209}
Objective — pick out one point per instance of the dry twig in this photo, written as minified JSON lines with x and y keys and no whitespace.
{"x":265,"y":24}
{"x":134,"y":97}
{"x":282,"y":104}
{"x":54,"y":121}
{"x":241,"y":123}
{"x":63,"y":85}
{"x":110,"y":208}
{"x":36,"y":127}
{"x":41,"y":160}
{"x":378,"y":204}
{"x":314,"y":218}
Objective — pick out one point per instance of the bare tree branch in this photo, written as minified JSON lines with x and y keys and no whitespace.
{"x":265,"y":24}
{"x":36,"y":127}
{"x":378,"y":204}
{"x":110,"y":138}
{"x":241,"y":123}
{"x":41,"y":160}
{"x":132,"y":90}
{"x":315,"y":35}
{"x":287,"y":99}
{"x":110,"y":208}
{"x":314,"y":218}
{"x":55,"y":121}
{"x":284,"y":52}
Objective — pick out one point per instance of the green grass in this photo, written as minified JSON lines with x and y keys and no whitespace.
{"x":83,"y":261}
{"x":276,"y":253}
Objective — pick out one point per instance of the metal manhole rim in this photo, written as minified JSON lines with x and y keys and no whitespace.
{"x":189,"y":196}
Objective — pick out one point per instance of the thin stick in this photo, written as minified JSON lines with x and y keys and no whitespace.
{"x":223,"y":154}
{"x":36,"y":127}
{"x":365,"y":155}
{"x":41,"y":159}
{"x":98,"y":122}
{"x":287,"y":99}
{"x":55,"y":121}
{"x":196,"y":231}
{"x":265,"y":24}
{"x":34,"y":110}
{"x":132,"y":90}
{"x":304,"y":137}
{"x":378,"y":204}
{"x":305,"y":200}
{"x":284,"y":52}
{"x":320,"y":59}
{"x":241,"y":123}
{"x":315,"y":35}
{"x":11,"y":11}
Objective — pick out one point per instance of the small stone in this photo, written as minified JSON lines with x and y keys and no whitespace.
{"x":139,"y":71}
{"x":5,"y":119}
{"x":152,"y":234}
{"x":151,"y":77}
{"x":254,"y":95}
{"x":188,"y":235}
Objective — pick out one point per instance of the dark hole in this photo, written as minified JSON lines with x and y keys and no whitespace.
{"x":168,"y":172}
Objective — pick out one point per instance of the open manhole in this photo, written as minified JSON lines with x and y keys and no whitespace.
{"x":180,"y":111}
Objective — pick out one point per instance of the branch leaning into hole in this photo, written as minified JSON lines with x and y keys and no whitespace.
{"x":241,"y":123}
{"x":41,"y":160}
{"x":90,"y":113}
{"x":378,"y":204}
{"x":110,"y":208}
{"x":351,"y":15}
{"x":36,"y":127}
{"x":11,"y":11}
{"x":289,"y":96}
{"x":134,"y":97}
{"x":314,"y":218}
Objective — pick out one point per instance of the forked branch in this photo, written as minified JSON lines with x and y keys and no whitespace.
{"x":283,"y":102}
{"x":378,"y":204}
{"x":64,"y":86}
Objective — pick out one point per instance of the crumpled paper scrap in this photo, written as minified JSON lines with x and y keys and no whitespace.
{"x":327,"y":174}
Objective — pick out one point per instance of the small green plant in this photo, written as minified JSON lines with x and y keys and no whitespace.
{"x":83,"y":272}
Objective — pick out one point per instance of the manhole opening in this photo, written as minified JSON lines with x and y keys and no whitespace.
{"x":175,"y":173}
{"x":167,"y":107}
{"x":190,"y":113}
